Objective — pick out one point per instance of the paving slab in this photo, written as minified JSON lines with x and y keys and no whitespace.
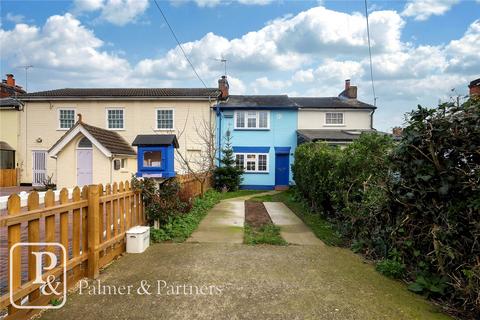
{"x":292,"y":228}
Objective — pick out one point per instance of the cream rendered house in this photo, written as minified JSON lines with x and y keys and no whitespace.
{"x":50,"y":147}
{"x":336,"y":120}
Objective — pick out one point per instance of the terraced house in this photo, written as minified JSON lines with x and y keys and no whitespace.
{"x":84,"y":136}
{"x":100,"y":135}
{"x":267,"y":129}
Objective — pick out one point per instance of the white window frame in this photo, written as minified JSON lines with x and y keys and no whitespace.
{"x":156,"y":119}
{"x":257,"y":119}
{"x":107,"y":125}
{"x":58,"y":118}
{"x":246,"y":154}
{"x":335,"y":124}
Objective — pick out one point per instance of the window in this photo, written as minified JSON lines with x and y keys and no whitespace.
{"x":164,"y":119}
{"x":240,"y":160}
{"x":115,"y":119}
{"x":252,"y":162}
{"x":334,"y":118}
{"x":116,"y":164}
{"x":252,"y":119}
{"x":152,"y":159}
{"x":85,"y":143}
{"x":66,"y":118}
{"x":124,"y":163}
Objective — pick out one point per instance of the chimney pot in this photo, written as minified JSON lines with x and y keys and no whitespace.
{"x":79,"y":117}
{"x":347,"y":84}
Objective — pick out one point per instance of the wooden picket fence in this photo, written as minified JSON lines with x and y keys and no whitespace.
{"x":191,"y":187}
{"x":8,"y":178}
{"x":91,"y":225}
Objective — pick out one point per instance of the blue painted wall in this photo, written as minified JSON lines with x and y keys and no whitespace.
{"x":282,"y":133}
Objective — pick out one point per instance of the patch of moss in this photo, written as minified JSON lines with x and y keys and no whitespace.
{"x":266,"y":234}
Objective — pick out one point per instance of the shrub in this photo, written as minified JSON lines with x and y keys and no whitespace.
{"x":227,"y":176}
{"x":161,"y":199}
{"x":391,"y":268}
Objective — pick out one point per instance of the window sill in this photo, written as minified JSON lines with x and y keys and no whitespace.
{"x":157,"y":129}
{"x":256,"y":172}
{"x":116,"y":129}
{"x":252,"y":129}
{"x":63,"y":129}
{"x":334,"y":125}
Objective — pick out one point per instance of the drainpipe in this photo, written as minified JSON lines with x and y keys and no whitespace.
{"x":111,"y":169}
{"x":371,"y":119}
{"x":219,"y":120}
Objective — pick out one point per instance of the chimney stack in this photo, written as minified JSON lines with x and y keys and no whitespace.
{"x":10,"y":80}
{"x":474,"y":87}
{"x":350,"y":92}
{"x":223,"y":87}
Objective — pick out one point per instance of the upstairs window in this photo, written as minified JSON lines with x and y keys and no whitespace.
{"x":252,"y":162}
{"x":66,"y":118}
{"x":164,"y":119}
{"x":334,"y":118}
{"x":252,"y":119}
{"x":115,"y":119}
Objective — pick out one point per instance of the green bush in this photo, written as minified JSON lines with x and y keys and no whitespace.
{"x":391,"y":268}
{"x":161,"y":199}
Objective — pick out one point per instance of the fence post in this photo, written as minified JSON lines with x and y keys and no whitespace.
{"x":93,"y":224}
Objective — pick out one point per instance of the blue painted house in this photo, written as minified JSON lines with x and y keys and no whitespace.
{"x":264,"y":137}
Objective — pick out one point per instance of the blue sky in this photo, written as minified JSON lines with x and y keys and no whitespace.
{"x":421,"y":49}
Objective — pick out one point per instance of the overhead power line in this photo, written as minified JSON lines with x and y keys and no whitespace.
{"x":370,"y":55}
{"x":179,"y":44}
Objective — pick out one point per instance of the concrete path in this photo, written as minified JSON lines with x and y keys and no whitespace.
{"x":249,"y":282}
{"x":224,"y":222}
{"x":292,"y":228}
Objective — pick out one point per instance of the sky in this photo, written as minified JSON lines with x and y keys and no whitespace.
{"x":423,"y":51}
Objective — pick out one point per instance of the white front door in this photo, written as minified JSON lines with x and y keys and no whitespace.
{"x":39,"y":167}
{"x":84,"y":167}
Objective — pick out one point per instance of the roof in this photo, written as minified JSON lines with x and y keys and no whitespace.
{"x":11,"y":90}
{"x":258,"y":102}
{"x":308,"y":135}
{"x":155,"y":140}
{"x":10,"y":103}
{"x":5,"y":146}
{"x":109,"y":142}
{"x":123,"y":93}
{"x":330,"y":103}
{"x":475,"y":82}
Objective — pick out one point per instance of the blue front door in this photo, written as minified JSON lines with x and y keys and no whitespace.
{"x":282,"y":164}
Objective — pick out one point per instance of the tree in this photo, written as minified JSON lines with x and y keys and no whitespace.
{"x":227,"y":175}
{"x":199,"y":164}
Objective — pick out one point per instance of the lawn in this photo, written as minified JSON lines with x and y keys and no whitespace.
{"x":323,"y":229}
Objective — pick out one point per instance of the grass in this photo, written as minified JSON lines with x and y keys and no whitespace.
{"x":239,"y":193}
{"x":323,"y":229}
{"x":179,"y":228}
{"x":267,"y":234}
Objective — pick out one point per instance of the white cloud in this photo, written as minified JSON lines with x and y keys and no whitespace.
{"x":15,"y":18}
{"x":214,"y":3}
{"x":262,"y":83}
{"x":422,"y":9}
{"x":64,"y":48}
{"x":118,"y":12}
{"x":464,"y":53}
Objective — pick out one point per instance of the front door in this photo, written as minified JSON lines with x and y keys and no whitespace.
{"x":282,"y":164}
{"x":39,"y":167}
{"x":84,"y":166}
